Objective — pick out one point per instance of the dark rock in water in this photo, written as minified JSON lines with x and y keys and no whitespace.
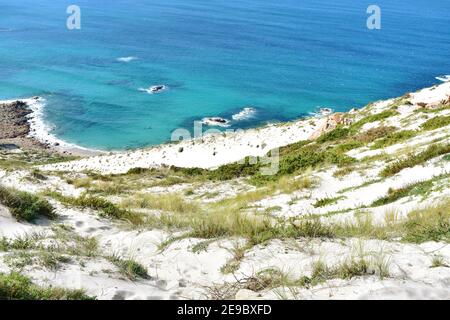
{"x":56,"y":144}
{"x":215,"y":121}
{"x":219,"y":120}
{"x":158,"y":88}
{"x":181,"y":149}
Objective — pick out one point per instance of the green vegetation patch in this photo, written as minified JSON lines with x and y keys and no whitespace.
{"x":436,"y":123}
{"x":413,"y":160}
{"x":14,"y":286}
{"x":130,"y":268}
{"x":394,"y":138}
{"x":372,"y":118}
{"x":106,"y":208}
{"x":374,"y":134}
{"x":420,"y":188}
{"x":432,"y":224}
{"x":26,"y":206}
{"x":326,"y":202}
{"x":334,"y":135}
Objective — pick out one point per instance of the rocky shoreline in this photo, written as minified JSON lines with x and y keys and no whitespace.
{"x":16,"y":131}
{"x":15,"y":128}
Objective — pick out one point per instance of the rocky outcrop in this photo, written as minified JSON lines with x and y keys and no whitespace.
{"x":14,"y":126}
{"x":329,"y":123}
{"x":13,"y":120}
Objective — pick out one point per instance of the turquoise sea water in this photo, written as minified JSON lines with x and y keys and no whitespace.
{"x":283,"y":57}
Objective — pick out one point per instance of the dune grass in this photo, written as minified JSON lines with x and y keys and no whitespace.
{"x":430,"y":224}
{"x":14,"y":286}
{"x":334,"y":135}
{"x":394,"y":138}
{"x":413,"y":160}
{"x":355,"y":127}
{"x":326,"y":202}
{"x":374,"y":134}
{"x":26,"y":206}
{"x":130,"y":268}
{"x":418,"y":188}
{"x":106,"y":208}
{"x":164,"y":202}
{"x":436,"y":123}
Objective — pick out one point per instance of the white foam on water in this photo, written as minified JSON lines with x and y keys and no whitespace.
{"x":41,"y":131}
{"x":152,"y":89}
{"x":321,"y":112}
{"x":244,"y":114}
{"x":445,"y":78}
{"x":126,"y":59}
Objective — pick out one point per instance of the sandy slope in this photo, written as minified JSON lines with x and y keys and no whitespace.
{"x":180,"y":272}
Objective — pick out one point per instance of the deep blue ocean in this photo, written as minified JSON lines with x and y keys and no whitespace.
{"x":282,"y":57}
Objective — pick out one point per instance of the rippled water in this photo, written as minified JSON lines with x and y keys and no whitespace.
{"x":282,"y":58}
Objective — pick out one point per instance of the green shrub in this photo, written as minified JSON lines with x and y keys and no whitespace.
{"x":333,"y":135}
{"x":393,"y":195}
{"x":105,"y":207}
{"x":26,"y":206}
{"x":235,"y":170}
{"x":413,"y":160}
{"x":137,"y":171}
{"x":14,"y":286}
{"x":374,"y":134}
{"x":372,"y":118}
{"x":394,"y":138}
{"x":431,"y":224}
{"x":350,"y":145}
{"x":130,"y":268}
{"x":326,"y":202}
{"x":436,"y":123}
{"x":292,"y":148}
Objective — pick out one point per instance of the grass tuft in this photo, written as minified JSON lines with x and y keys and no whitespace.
{"x":436,"y":123}
{"x":130,"y":268}
{"x":26,"y":206}
{"x":14,"y":286}
{"x":416,"y":159}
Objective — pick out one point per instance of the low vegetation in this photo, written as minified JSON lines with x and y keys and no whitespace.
{"x":415,"y":189}
{"x":326,"y":202}
{"x":394,"y":138}
{"x":163,"y":202}
{"x":436,"y":123}
{"x":14,"y":286}
{"x":355,"y":127}
{"x":106,"y":208}
{"x":334,"y":135}
{"x":26,"y":206}
{"x":130,"y":268}
{"x":416,"y":159}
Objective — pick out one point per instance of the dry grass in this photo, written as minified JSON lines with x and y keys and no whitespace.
{"x":163,"y":202}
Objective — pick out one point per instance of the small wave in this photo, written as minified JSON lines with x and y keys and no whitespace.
{"x":5,"y":30}
{"x":154,"y":89}
{"x":244,"y":114}
{"x":445,"y":78}
{"x":41,"y":131}
{"x":126,"y":59}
